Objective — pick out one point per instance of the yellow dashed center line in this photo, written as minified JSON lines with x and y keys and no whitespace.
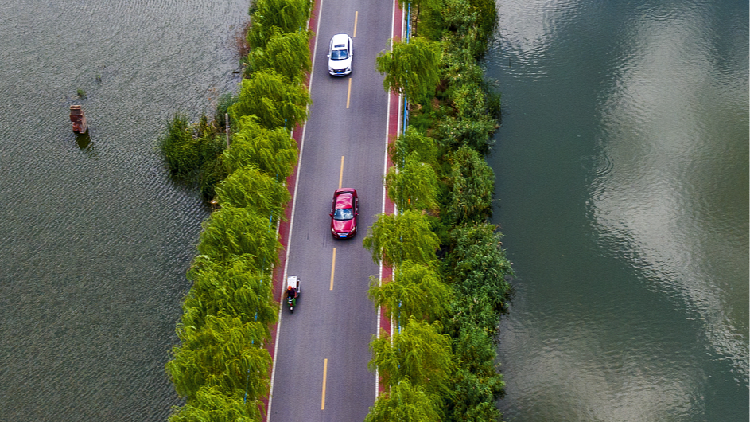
{"x":356,"y":15}
{"x":349,"y":93}
{"x":325,"y":374}
{"x":341,"y":171}
{"x":333,"y":267}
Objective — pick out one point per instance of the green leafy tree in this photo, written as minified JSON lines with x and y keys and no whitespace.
{"x":287,"y":53}
{"x":453,"y":132}
{"x":417,"y":6}
{"x":477,"y":384}
{"x":419,"y":353}
{"x":485,"y":24}
{"x":225,"y":353}
{"x":476,"y":267}
{"x":248,"y":187}
{"x":404,"y":403}
{"x":272,"y":151}
{"x":234,"y":288}
{"x":472,"y":184}
{"x":413,"y":141}
{"x":414,"y":186}
{"x":396,"y":238}
{"x":211,"y":404}
{"x":411,"y":68}
{"x":276,"y":102}
{"x":415,"y":290}
{"x":231,"y":232}
{"x":270,"y":16}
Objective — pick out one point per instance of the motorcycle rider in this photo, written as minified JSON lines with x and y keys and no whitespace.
{"x":291,"y":293}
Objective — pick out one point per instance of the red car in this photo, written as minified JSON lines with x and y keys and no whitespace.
{"x":344,"y":211}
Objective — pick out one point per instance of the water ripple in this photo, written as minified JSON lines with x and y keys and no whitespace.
{"x":97,"y":240}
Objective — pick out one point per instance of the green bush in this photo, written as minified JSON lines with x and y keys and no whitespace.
{"x":248,"y":187}
{"x":476,"y":267}
{"x":272,"y":151}
{"x":286,"y":53}
{"x":477,"y":384}
{"x":179,"y":148}
{"x":211,"y":404}
{"x":193,"y":153}
{"x":471,"y":184}
{"x":275,"y":101}
{"x":234,"y":288}
{"x":231,"y":232}
{"x":270,"y":16}
{"x":221,"y":353}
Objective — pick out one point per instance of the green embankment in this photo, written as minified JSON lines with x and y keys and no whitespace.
{"x":221,"y":367}
{"x":448,"y":288}
{"x":449,"y":285}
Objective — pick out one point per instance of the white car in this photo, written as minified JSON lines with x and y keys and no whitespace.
{"x":340,"y":55}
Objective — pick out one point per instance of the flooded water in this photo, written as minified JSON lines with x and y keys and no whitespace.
{"x":622,"y":178}
{"x":96,"y":240}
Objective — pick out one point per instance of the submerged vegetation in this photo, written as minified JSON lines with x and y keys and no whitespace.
{"x":221,"y":366}
{"x":449,"y":287}
{"x":193,"y":152}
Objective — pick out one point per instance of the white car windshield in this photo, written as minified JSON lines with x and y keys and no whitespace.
{"x":340,"y":54}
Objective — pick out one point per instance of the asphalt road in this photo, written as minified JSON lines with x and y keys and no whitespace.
{"x":323,"y":348}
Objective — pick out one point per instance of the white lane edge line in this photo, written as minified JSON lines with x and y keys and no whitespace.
{"x":382,"y":208}
{"x":291,"y":220}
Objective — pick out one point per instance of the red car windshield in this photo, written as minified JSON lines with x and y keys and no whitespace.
{"x":343,"y":214}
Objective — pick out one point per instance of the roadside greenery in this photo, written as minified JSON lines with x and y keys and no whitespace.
{"x":449,"y":285}
{"x":221,"y":366}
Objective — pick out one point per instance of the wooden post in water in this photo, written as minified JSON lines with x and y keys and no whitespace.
{"x":78,"y":119}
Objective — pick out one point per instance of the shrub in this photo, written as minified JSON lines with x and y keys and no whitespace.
{"x":248,"y":187}
{"x":231,"y":232}
{"x":471,"y":184}
{"x":272,"y":151}
{"x":275,"y":102}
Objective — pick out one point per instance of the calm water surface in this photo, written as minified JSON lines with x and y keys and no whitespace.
{"x":622,"y":178}
{"x":96,"y":240}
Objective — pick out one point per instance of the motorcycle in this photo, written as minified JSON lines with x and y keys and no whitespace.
{"x":293,"y":282}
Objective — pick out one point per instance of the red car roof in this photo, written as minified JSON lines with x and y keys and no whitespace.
{"x":344,"y":200}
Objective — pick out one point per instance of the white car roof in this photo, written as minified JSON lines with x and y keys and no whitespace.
{"x":339,"y":41}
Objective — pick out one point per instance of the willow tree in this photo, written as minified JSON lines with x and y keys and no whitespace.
{"x":415,"y":290}
{"x":472,"y":184}
{"x":270,"y":16}
{"x":411,"y":68}
{"x":414,"y":186}
{"x":286,"y":53}
{"x":272,"y":151}
{"x":419,"y":354}
{"x":248,"y":187}
{"x":225,"y":353}
{"x":211,"y":404}
{"x":276,"y":102}
{"x":233,"y":288}
{"x":404,"y":402}
{"x":406,"y":236}
{"x":231,"y":232}
{"x":413,"y":141}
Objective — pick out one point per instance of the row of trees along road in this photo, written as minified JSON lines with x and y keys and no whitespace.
{"x":221,"y":366}
{"x":449,"y":287}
